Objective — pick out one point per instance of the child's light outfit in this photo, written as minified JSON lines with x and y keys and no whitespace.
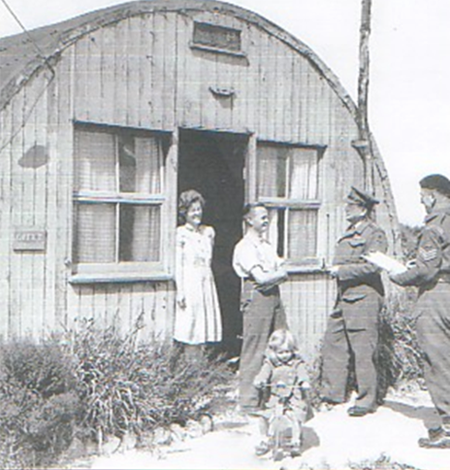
{"x":285,"y":381}
{"x":200,"y":321}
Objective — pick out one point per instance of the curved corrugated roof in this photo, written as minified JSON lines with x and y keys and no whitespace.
{"x":20,"y":59}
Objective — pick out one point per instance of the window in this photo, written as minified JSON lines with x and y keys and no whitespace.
{"x":118,"y":198}
{"x":288,"y":185}
{"x":217,"y":38}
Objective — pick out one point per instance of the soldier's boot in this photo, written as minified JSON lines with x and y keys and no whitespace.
{"x":438,"y":438}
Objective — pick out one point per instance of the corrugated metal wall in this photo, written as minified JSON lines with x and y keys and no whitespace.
{"x":141,"y":72}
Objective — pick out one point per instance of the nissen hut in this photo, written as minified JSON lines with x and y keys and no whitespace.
{"x":106,"y":118}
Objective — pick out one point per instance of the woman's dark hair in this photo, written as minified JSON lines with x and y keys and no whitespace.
{"x":187,"y":198}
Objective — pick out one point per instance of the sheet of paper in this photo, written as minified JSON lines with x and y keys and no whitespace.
{"x":386,"y":262}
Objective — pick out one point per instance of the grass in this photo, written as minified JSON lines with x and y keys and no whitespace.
{"x":93,"y":383}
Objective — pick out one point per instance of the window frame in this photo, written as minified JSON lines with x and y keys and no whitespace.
{"x":217,"y":49}
{"x":309,"y":263}
{"x":124,"y":271}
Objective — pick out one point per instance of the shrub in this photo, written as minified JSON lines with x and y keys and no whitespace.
{"x":409,"y":240}
{"x":94,"y":383}
{"x":400,"y":357}
{"x":125,"y":386}
{"x":45,"y":369}
{"x":314,"y":368}
{"x":38,"y":406}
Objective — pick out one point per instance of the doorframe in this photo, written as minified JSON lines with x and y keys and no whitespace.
{"x":250,"y":169}
{"x":248,"y":177}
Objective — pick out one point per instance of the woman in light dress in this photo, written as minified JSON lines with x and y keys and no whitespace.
{"x":197,"y":315}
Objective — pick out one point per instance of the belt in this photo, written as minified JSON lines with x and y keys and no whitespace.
{"x":248,"y":281}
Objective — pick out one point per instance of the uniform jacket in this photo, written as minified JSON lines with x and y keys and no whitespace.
{"x":358,"y":278}
{"x":433,"y":256}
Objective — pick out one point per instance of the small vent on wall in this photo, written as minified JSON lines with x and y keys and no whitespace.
{"x":217,"y":37}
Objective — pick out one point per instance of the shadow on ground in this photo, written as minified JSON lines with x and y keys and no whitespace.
{"x":310,"y":439}
{"x":427,"y":414}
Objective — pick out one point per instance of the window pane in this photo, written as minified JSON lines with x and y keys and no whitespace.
{"x":127,"y":164}
{"x":140,"y":237}
{"x":276,"y":231}
{"x":94,"y":233}
{"x":149,"y":154}
{"x":303,"y":174}
{"x":140,"y":163}
{"x":302,"y":236}
{"x":95,"y":161}
{"x":272,"y":171}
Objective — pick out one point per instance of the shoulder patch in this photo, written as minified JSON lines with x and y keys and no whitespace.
{"x":428,"y":254}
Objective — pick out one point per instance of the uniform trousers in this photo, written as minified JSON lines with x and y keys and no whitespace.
{"x":346,"y":340}
{"x":433,"y":334}
{"x":262,"y":314}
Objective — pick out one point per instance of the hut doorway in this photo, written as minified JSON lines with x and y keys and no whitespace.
{"x":213,"y":164}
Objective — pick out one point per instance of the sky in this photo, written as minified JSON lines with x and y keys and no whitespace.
{"x":409,"y":96}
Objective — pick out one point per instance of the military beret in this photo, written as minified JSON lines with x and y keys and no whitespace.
{"x":438,"y":182}
{"x":356,"y":196}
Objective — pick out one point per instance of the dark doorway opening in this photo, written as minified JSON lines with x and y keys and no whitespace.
{"x":213,"y":163}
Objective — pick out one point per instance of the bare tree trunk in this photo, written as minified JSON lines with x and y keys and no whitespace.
{"x":364,"y":69}
{"x":364,"y":143}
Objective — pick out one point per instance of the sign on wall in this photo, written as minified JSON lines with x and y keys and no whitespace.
{"x":29,"y":239}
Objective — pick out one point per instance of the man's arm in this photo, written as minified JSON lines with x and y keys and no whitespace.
{"x":270,"y":278}
{"x":428,"y":262}
{"x":376,"y":242}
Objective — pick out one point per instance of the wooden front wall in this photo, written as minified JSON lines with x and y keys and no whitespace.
{"x":141,"y":72}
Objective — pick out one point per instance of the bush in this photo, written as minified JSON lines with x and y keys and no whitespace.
{"x":314,"y":368}
{"x":38,"y":404}
{"x":95,"y":383}
{"x":409,"y":240}
{"x":400,"y":357}
{"x":125,"y":386}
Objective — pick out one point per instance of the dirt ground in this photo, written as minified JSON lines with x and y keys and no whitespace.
{"x":332,"y":440}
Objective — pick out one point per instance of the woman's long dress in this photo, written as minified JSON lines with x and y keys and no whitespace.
{"x":200,"y":320}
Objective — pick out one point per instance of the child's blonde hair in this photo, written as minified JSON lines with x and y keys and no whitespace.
{"x":281,"y":339}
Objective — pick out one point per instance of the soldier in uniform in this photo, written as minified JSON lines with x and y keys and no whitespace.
{"x":352,"y":330}
{"x":431,"y":273}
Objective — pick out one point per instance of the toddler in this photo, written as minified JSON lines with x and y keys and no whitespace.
{"x":283,"y":376}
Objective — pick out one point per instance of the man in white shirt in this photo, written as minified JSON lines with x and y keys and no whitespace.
{"x":257,"y":263}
